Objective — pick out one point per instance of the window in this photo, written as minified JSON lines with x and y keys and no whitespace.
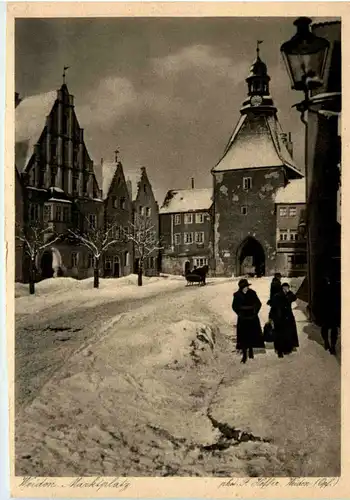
{"x":199,"y":237}
{"x":292,"y":211}
{"x":283,"y":212}
{"x":125,"y":233}
{"x":177,"y":239}
{"x":200,"y":261}
{"x":90,"y":260}
{"x":53,"y":151}
{"x":66,"y":214}
{"x":247,"y":183}
{"x":53,"y":177}
{"x":283,"y":233}
{"x":108,"y":264}
{"x":188,"y":219}
{"x":59,"y":213}
{"x":75,"y":186}
{"x":122,"y":203}
{"x":297,"y":260}
{"x":148,"y":212}
{"x":115,"y":232}
{"x":115,"y":202}
{"x":199,"y":218}
{"x":244,"y":210}
{"x":66,"y":152}
{"x":92,"y":221}
{"x":188,"y":238}
{"x":177,"y":219}
{"x":74,"y":259}
{"x":85,"y":183}
{"x":126,"y":258}
{"x":47,"y":213}
{"x":65,"y":124}
{"x":144,"y":188}
{"x":293,"y":235}
{"x":41,"y":180}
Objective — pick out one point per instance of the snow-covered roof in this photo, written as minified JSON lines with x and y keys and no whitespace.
{"x":293,"y":192}
{"x":255,"y":143}
{"x":187,"y":200}
{"x":30,"y":117}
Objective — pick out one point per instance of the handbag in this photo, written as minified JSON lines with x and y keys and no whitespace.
{"x":269,"y":333}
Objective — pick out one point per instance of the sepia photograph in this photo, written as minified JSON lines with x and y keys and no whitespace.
{"x":177,"y":247}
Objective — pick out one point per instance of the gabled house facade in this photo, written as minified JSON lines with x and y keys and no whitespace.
{"x":146,"y":206}
{"x":186,"y":230}
{"x":59,"y":186}
{"x":256,"y":163}
{"x":118,"y":211}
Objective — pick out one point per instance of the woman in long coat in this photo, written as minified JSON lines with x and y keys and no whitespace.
{"x":285,"y":329}
{"x":246,"y":305}
{"x":275,"y":287}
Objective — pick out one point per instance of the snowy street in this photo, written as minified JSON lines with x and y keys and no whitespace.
{"x":130,"y":381}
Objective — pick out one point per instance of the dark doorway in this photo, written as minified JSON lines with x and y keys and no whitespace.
{"x":187,"y":267}
{"x":251,"y":258}
{"x":116,"y":267}
{"x":46,"y":265}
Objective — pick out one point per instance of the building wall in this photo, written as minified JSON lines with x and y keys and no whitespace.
{"x":145,"y":205}
{"x":323,"y":174}
{"x":118,"y":210}
{"x":175,"y":255}
{"x":19,"y":207}
{"x":291,"y":245}
{"x":231,"y":227}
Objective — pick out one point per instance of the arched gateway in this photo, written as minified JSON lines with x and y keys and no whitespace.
{"x":250,"y":258}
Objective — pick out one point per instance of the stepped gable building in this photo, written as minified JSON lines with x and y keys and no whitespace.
{"x":146,"y":206}
{"x":256,"y":163}
{"x":117,"y":204}
{"x":291,"y":256}
{"x":58,"y":180}
{"x":186,"y":229}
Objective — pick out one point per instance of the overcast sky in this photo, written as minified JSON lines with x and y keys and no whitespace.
{"x":165,"y":91}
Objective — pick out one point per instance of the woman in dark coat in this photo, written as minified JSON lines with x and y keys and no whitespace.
{"x":275,"y":288}
{"x":246,"y":305}
{"x":285,"y":328}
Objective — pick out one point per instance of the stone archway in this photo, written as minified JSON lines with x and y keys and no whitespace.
{"x":46,"y":265}
{"x":250,"y":258}
{"x":51,"y":263}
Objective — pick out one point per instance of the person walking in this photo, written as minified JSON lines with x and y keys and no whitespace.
{"x":246,"y":305}
{"x":285,"y":328}
{"x":330,"y":313}
{"x":275,"y":287}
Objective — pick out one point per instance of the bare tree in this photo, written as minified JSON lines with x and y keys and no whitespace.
{"x":35,"y":236}
{"x":97,"y":240}
{"x":142,"y":232}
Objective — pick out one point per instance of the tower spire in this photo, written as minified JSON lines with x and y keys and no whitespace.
{"x":258,"y":42}
{"x":64,"y":73}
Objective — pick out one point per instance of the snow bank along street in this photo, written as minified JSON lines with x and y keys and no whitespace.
{"x":146,"y":382}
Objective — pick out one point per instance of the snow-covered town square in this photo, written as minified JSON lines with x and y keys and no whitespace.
{"x":176,"y":243}
{"x":146,"y":381}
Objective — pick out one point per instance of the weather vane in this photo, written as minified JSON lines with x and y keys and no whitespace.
{"x":258,"y":42}
{"x":116,"y":152}
{"x":64,"y":73}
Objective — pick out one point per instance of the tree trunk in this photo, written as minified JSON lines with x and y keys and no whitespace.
{"x":96,"y":272}
{"x":31,"y":277}
{"x":140,"y":272}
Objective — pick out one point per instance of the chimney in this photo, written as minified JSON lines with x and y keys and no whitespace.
{"x":101,"y":162}
{"x":192,"y":182}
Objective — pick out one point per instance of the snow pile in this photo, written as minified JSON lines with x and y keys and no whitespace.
{"x":187,"y":343}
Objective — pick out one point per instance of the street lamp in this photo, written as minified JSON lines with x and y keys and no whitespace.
{"x":305,"y":56}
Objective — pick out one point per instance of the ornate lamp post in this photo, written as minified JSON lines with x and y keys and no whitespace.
{"x":305,"y":56}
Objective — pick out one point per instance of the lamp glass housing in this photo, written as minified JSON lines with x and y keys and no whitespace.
{"x":305,"y":56}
